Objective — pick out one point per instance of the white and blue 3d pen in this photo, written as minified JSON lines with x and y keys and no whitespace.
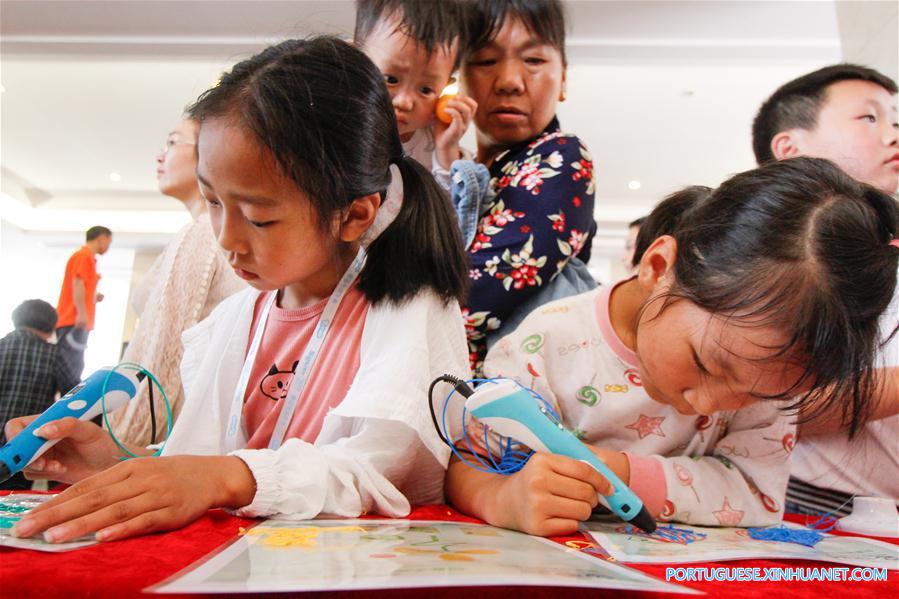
{"x":82,"y":402}
{"x":510,"y":410}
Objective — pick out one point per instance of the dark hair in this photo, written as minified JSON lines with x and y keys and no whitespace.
{"x":431,"y":24}
{"x":800,"y":246}
{"x":545,"y":19}
{"x":97,"y":231}
{"x":665,"y":217}
{"x":322,"y":109}
{"x":35,"y":314}
{"x":637,"y":222}
{"x":796,"y":104}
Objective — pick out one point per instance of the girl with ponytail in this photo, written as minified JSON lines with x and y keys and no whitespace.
{"x":304,"y":394}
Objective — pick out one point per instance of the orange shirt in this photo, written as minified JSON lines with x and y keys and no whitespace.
{"x":287,"y":333}
{"x":82,"y":265}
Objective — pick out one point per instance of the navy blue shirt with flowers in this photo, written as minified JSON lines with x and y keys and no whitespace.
{"x":540,"y":218}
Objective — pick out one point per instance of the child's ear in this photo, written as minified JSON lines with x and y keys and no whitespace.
{"x":358,"y":217}
{"x":786,"y":145}
{"x":657,"y":262}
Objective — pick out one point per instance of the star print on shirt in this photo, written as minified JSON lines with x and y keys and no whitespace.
{"x":646,"y":426}
{"x":728,"y":516}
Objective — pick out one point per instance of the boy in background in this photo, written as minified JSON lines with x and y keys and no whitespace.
{"x":417,"y":46}
{"x":33,"y":370}
{"x":847,"y":114}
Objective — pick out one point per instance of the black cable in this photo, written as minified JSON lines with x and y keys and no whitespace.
{"x":462,"y":388}
{"x":152,"y":413}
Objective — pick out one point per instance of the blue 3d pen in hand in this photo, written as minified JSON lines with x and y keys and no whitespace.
{"x":82,"y":402}
{"x":509,"y":410}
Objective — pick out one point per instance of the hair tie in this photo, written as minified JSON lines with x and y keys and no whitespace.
{"x":894,"y":242}
{"x":390,"y":207}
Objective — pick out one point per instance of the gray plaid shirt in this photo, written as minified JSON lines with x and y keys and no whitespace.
{"x":32,"y":372}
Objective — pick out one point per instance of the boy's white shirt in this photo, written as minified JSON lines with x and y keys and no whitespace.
{"x":712,"y":476}
{"x":869,"y":464}
{"x":421,"y":147}
{"x":377,"y":450}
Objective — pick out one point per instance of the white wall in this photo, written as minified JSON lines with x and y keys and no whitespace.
{"x":32,"y":266}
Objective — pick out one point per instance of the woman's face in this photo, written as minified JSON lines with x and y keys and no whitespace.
{"x":176,"y":163}
{"x":516,"y":79}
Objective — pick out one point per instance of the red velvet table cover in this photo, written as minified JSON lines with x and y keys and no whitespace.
{"x":125,"y":568}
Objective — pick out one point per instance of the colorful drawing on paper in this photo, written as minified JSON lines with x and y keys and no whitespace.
{"x":708,"y":544}
{"x":284,"y":556}
{"x":16,"y":505}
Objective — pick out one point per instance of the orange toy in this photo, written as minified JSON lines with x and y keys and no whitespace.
{"x":441,"y":112}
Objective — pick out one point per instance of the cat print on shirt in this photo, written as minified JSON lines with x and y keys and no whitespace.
{"x":275,"y":384}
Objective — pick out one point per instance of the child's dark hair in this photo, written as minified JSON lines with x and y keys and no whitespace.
{"x":545,"y":19}
{"x":321,"y":108}
{"x":800,"y":246}
{"x":796,"y":104}
{"x":431,"y":24}
{"x":665,"y":217}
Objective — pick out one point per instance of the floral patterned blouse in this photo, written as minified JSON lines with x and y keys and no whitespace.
{"x":540,"y":218}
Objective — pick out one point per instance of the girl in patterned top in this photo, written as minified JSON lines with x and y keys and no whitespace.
{"x":533,"y":240}
{"x":686,"y":378}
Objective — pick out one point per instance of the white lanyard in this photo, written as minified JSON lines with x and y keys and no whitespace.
{"x":303,"y":369}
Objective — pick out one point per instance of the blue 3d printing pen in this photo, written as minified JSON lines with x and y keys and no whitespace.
{"x":509,"y":410}
{"x":82,"y":402}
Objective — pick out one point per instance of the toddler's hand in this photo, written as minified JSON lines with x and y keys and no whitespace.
{"x":447,"y":136}
{"x":550,"y":496}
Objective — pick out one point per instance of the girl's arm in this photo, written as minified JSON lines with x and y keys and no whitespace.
{"x":541,"y":218}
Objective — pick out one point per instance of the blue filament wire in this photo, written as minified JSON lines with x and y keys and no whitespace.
{"x":150,"y":381}
{"x":511,"y":455}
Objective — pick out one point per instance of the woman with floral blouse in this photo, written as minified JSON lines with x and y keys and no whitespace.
{"x":533,"y":239}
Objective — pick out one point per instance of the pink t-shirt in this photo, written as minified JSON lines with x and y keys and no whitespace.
{"x":286,"y":335}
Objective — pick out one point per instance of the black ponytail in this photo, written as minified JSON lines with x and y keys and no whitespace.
{"x":322,"y":109}
{"x":423,"y":243}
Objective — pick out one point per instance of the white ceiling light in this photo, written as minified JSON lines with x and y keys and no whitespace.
{"x":633,"y":185}
{"x":115,"y":177}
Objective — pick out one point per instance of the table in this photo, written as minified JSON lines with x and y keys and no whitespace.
{"x":124,"y":568}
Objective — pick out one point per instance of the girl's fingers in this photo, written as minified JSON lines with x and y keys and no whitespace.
{"x":108,"y":515}
{"x":582,"y":471}
{"x":144,"y":523}
{"x":72,"y":504}
{"x":573,"y":488}
{"x":557,"y":527}
{"x":569,"y":509}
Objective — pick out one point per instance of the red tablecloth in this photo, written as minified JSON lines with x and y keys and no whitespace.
{"x":124,"y":568}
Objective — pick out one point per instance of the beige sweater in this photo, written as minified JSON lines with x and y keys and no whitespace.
{"x":186,"y":282}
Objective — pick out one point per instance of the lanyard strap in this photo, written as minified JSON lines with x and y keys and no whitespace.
{"x":304,"y":368}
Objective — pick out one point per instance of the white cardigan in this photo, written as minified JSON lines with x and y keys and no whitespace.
{"x":377,"y":450}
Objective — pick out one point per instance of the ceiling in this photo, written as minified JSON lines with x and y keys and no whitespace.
{"x":663,"y":93}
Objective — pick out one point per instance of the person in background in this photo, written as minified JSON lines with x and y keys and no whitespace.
{"x":185,"y":283}
{"x":845,"y":113}
{"x":416,"y":44}
{"x":630,"y":242}
{"x":78,"y":297}
{"x":533,"y":237}
{"x":33,"y":370}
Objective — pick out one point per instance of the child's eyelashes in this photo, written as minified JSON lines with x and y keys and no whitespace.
{"x":390,"y":80}
{"x":869,"y":118}
{"x":427,"y":91}
{"x":261,"y":224}
{"x":534,"y":60}
{"x":699,"y":365}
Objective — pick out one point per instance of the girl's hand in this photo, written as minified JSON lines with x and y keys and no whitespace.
{"x":446,"y":137}
{"x":141,"y":496}
{"x":84,"y":449}
{"x":550,"y":496}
